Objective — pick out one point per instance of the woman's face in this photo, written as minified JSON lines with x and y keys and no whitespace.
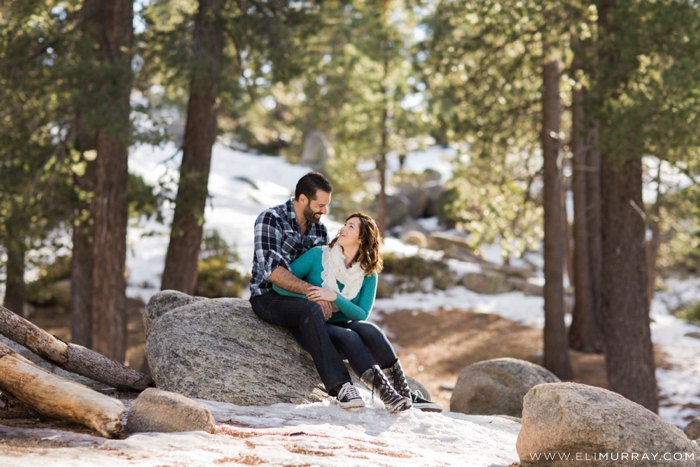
{"x":349,"y":234}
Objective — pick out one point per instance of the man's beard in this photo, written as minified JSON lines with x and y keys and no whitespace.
{"x":310,"y":215}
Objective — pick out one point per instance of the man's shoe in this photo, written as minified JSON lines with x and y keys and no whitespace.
{"x":349,"y":398}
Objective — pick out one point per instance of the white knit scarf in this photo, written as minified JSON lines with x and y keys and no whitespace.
{"x":334,"y":271}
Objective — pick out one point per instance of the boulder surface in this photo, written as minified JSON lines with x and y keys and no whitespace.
{"x":161,"y":411}
{"x":218,"y":349}
{"x":566,"y":424}
{"x":692,"y":431}
{"x":497,"y":387}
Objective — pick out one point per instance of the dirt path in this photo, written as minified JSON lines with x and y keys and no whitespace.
{"x":435,"y":347}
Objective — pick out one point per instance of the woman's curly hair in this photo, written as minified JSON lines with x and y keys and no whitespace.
{"x":368,"y":254}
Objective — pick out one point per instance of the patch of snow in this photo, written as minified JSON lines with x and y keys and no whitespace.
{"x":319,"y":434}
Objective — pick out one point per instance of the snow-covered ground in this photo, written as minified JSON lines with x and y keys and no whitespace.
{"x":241,"y":186}
{"x":284,"y":434}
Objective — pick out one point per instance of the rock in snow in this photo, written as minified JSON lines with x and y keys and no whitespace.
{"x":218,"y":349}
{"x":497,"y":387}
{"x":166,"y":412}
{"x":597,"y":427}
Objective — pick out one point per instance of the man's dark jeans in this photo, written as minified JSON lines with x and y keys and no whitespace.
{"x":306,"y":320}
{"x":363,"y":344}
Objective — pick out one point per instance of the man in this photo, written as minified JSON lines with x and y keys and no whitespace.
{"x":282,"y":234}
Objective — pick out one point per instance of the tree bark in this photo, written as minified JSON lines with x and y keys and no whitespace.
{"x":625,"y":308}
{"x":595,"y":245}
{"x":182,"y":259}
{"x":15,"y":287}
{"x":71,"y":357}
{"x":654,"y":243}
{"x":556,"y":345}
{"x":82,"y":263}
{"x":59,"y":398}
{"x":566,"y":232}
{"x":583,"y":335}
{"x":109,"y":207}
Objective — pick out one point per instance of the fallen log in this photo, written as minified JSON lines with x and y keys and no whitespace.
{"x":71,"y":357}
{"x":56,"y":397}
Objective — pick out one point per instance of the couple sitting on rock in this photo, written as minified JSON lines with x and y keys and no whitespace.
{"x":325,"y":292}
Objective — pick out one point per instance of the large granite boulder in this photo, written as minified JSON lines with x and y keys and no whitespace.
{"x":597,"y":427}
{"x":497,"y":387}
{"x":218,"y":349}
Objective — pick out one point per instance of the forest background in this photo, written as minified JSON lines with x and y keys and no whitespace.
{"x":537,"y":99}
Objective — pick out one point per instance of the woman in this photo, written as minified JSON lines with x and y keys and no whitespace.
{"x":345,"y":273}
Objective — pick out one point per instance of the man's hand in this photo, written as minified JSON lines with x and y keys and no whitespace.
{"x":326,"y":307}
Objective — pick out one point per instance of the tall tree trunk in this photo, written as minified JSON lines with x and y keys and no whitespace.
{"x":82,"y":260}
{"x":629,"y":355}
{"x":566,"y":231}
{"x":654,"y":243}
{"x":381,"y":161}
{"x":381,"y":202}
{"x":595,"y":245}
{"x":81,"y":286}
{"x":583,"y":330}
{"x":181,"y":261}
{"x":556,"y":345}
{"x":625,"y":308}
{"x":109,"y":208}
{"x":15,"y":286}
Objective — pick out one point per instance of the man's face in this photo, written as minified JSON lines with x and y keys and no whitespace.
{"x":315,"y":208}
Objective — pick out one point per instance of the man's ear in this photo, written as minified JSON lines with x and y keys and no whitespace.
{"x":303,"y":199}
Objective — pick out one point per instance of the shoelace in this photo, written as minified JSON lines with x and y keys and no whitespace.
{"x":350,"y":391}
{"x":400,"y":384}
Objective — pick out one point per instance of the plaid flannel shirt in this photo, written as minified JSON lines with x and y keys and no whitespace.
{"x":278,"y":242}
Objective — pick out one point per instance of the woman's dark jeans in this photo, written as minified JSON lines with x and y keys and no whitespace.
{"x":363,"y":344}
{"x":308,"y":325}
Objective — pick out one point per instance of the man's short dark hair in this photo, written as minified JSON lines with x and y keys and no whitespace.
{"x":310,"y":183}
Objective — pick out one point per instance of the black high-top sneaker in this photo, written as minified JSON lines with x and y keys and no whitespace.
{"x":349,"y":398}
{"x":397,"y":378}
{"x":375,"y":380}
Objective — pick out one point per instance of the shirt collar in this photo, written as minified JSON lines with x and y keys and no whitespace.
{"x":289,"y":206}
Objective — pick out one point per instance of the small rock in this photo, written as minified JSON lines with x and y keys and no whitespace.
{"x":162,"y":411}
{"x":526,"y":287}
{"x":415,"y":237}
{"x":597,"y":427}
{"x":695,"y":335}
{"x":497,"y":387}
{"x":692,"y":431}
{"x":486,"y":283}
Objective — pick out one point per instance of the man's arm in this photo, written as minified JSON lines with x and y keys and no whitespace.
{"x":288,"y":281}
{"x":284,"y":279}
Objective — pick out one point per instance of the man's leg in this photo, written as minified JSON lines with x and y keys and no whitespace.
{"x":307,"y":317}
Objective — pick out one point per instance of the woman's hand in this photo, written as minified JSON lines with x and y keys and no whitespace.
{"x":317,"y":294}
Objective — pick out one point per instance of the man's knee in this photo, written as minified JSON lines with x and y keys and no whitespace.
{"x":313,"y":313}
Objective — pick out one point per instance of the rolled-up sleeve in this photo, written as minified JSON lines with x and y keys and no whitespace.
{"x":268,"y":249}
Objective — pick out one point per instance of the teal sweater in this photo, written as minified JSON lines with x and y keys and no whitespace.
{"x":309,"y":267}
